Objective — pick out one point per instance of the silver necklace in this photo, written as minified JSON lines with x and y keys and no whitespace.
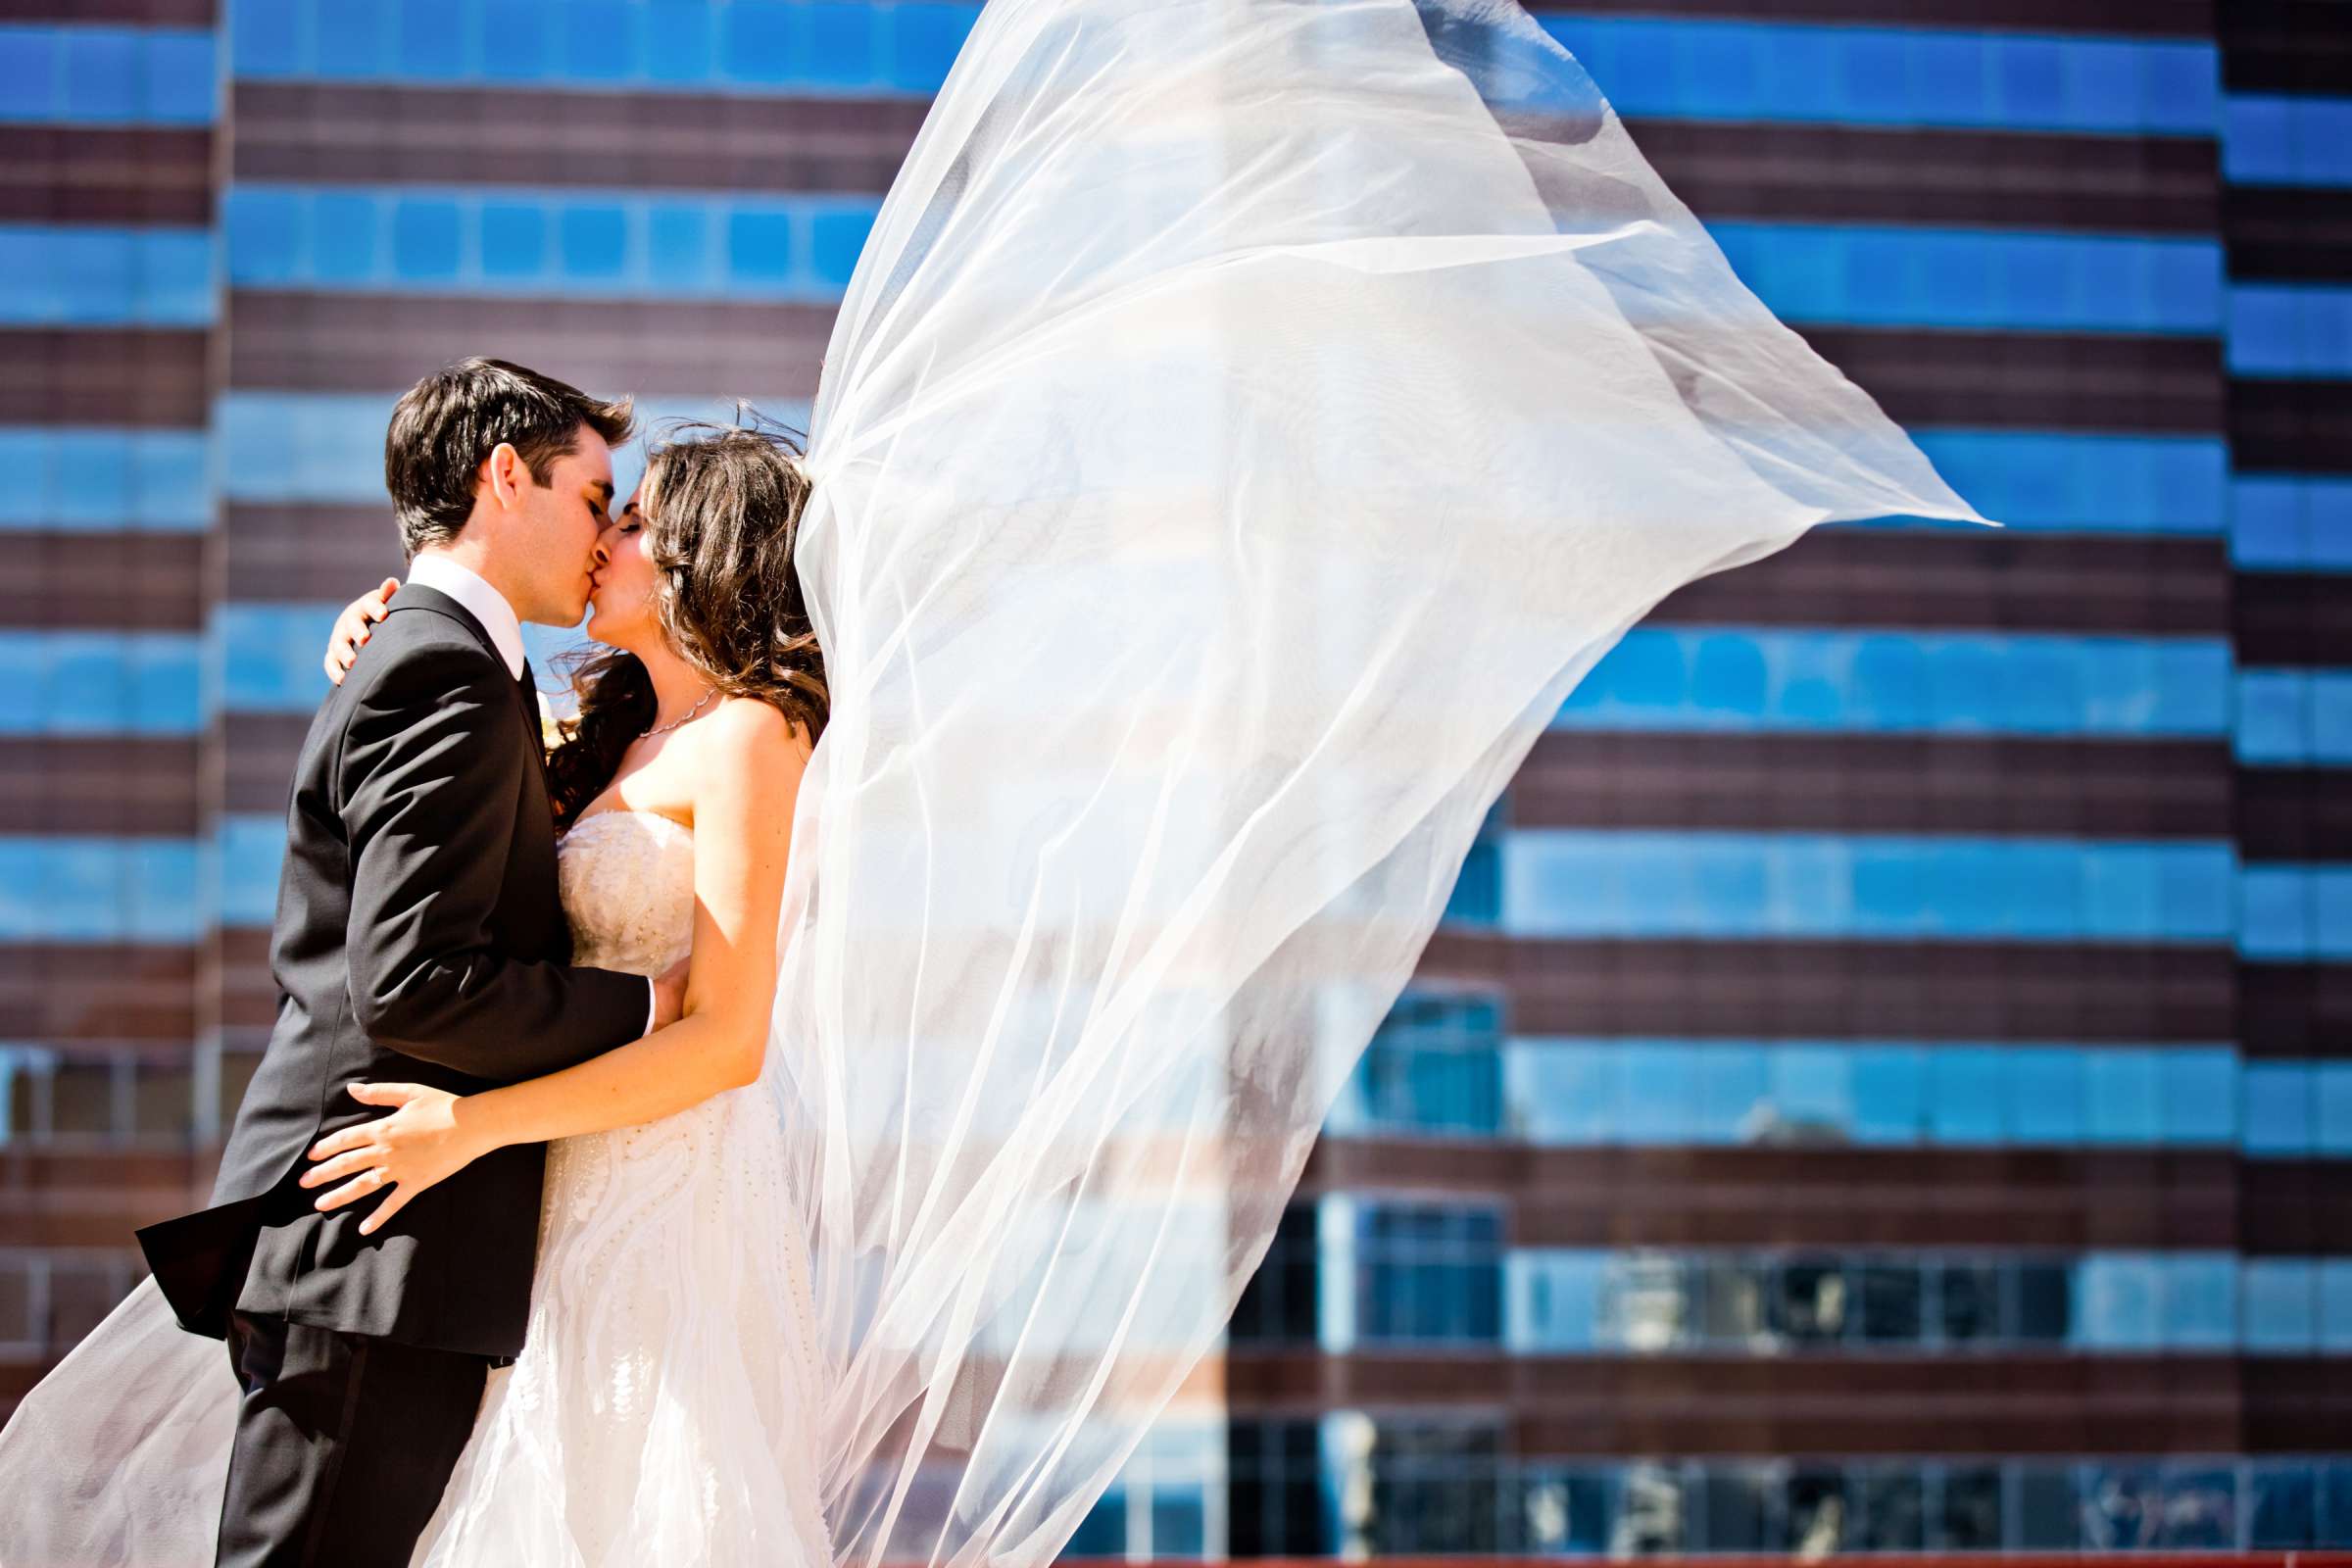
{"x":663,"y":729}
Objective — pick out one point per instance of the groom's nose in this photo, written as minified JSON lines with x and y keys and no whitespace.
{"x":601,"y":556}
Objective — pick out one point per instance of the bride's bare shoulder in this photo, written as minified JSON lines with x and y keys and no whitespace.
{"x":744,"y":730}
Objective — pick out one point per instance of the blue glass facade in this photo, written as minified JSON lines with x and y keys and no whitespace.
{"x":1578,"y":1149}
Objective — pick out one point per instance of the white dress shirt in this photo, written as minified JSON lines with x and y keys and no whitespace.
{"x":485,"y":603}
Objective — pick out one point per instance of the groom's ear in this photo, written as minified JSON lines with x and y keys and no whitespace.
{"x":505,"y":474}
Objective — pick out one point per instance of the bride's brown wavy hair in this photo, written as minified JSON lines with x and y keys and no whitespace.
{"x":721,"y":508}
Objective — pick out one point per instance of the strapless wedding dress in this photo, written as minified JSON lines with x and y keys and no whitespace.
{"x":663,"y":1408}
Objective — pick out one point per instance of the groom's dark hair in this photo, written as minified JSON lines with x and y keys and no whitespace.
{"x":446,"y":425}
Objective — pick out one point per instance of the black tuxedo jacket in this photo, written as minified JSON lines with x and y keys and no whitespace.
{"x":418,"y":938}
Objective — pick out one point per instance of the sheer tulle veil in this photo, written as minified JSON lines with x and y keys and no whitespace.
{"x":1247,"y":422}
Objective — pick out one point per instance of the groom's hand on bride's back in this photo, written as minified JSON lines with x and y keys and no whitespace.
{"x":343,"y":644}
{"x":669,"y":994}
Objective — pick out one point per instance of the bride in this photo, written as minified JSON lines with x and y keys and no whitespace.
{"x":1248,"y":422}
{"x":660,"y":1407}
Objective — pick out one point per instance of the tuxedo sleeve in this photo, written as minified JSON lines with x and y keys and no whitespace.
{"x":430,"y":783}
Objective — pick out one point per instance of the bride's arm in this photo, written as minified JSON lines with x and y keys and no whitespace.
{"x":343,"y":644}
{"x":747,"y":780}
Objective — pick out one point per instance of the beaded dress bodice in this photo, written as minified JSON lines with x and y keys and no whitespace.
{"x":662,"y":1405}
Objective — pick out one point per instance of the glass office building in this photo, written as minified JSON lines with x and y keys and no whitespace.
{"x":1886,"y":1079}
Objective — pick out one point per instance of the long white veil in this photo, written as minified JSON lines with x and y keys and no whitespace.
{"x":1248,"y":422}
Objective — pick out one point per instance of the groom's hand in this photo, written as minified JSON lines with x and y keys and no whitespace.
{"x":669,"y":994}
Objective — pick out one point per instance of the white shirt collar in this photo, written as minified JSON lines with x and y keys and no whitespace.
{"x":484,"y":603}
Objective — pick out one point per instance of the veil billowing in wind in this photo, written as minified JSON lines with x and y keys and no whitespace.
{"x":1248,"y":422}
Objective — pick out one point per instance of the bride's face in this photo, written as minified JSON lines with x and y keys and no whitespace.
{"x":621,"y":604}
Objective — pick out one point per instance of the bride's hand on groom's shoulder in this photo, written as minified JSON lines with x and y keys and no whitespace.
{"x":344,"y":643}
{"x":423,"y":1141}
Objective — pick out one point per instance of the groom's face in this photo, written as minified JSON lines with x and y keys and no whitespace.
{"x":561,"y":520}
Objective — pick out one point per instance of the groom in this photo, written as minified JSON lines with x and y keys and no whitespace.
{"x":419,"y":937}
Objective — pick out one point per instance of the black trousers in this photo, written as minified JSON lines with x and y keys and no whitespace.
{"x":344,"y":1444}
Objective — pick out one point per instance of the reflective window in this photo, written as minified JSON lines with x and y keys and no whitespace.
{"x":2120,"y":1301}
{"x":2280,"y":140}
{"x":75,"y":479}
{"x":1738,"y":1510}
{"x":1694,"y":69}
{"x":63,"y":888}
{"x":1432,"y":1065}
{"x":1428,"y":1273}
{"x":2281,"y":1303}
{"x":2291,"y":521}
{"x":1671,"y":678}
{"x":513,"y":242}
{"x":1855,"y":274}
{"x":2122,"y":1508}
{"x":1572,"y":882}
{"x":99,"y":683}
{"x":107,"y":75}
{"x":2281,"y":1110}
{"x":1969,"y":1515}
{"x":2284,"y":1506}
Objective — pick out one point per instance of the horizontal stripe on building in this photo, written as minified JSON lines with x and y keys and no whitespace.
{"x":2283,"y":46}
{"x":2297,"y":233}
{"x":2290,"y":523}
{"x":2290,"y":717}
{"x":2301,"y":330}
{"x":2302,"y":425}
{"x":2290,"y":913}
{"x":1991,"y":990}
{"x":347,"y":343}
{"x":2188,"y":19}
{"x":1742,"y":1302}
{"x":100,"y":683}
{"x":85,"y":579}
{"x":2014,"y":579}
{"x":2091,"y":381}
{"x":300,"y":448}
{"x":151,"y":377}
{"x":345,"y":134}
{"x":2292,"y":618}
{"x":2287,"y":138}
{"x":771,"y":49}
{"x":86,"y":477}
{"x":2076,"y":1198}
{"x":688,"y":245}
{"x":100,"y":75}
{"x":351,"y":134}
{"x":1416,"y":1080}
{"x":1751,"y":70}
{"x":328,"y":551}
{"x":2295,"y":1009}
{"x":1884,"y":681}
{"x":1658,"y":679}
{"x":2075,"y":482}
{"x":1567,"y":882}
{"x":124,"y":1096}
{"x":1954,"y":783}
{"x":2058,"y":1407}
{"x":2288,"y":813}
{"x":106,"y":175}
{"x":112,"y":785}
{"x":59,"y":889}
{"x":132,"y":12}
{"x":88,"y":277}
{"x":110,"y":993}
{"x":1756,"y":70}
{"x":282,"y":443}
